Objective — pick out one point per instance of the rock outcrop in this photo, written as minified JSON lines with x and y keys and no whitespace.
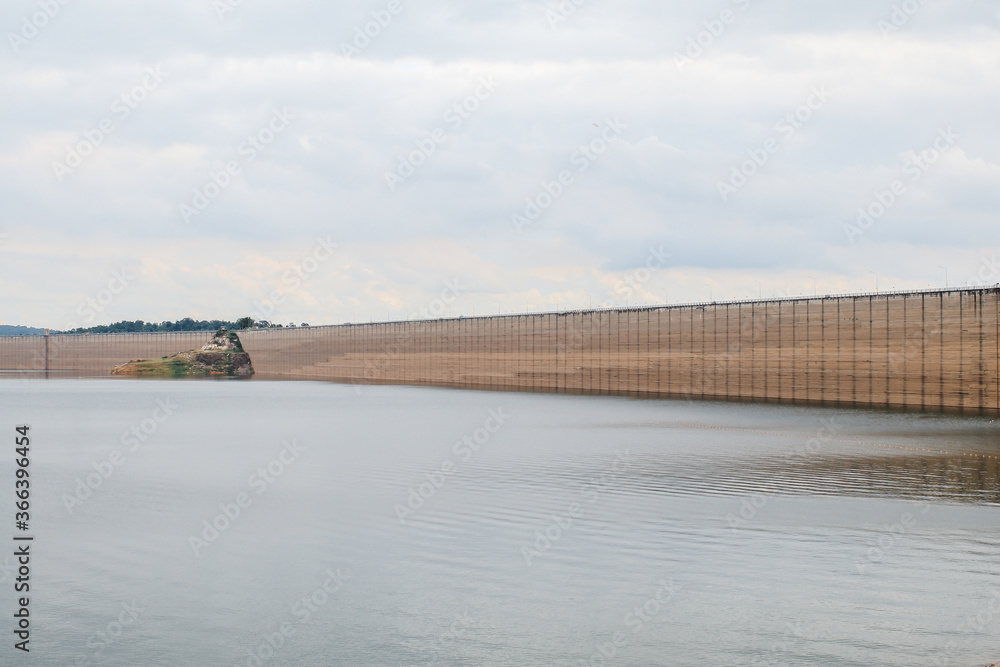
{"x":222,"y":357}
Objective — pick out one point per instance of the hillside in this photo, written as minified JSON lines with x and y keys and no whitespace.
{"x":13,"y":330}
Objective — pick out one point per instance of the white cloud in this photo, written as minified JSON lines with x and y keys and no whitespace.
{"x":354,"y":118}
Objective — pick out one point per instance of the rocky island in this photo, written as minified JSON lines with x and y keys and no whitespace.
{"x":222,"y":357}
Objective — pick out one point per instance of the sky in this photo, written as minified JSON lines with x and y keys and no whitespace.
{"x":307,"y":161}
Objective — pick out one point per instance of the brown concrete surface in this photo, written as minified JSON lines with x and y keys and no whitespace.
{"x":934,"y":350}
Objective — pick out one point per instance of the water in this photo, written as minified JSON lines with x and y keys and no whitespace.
{"x":565,"y":530}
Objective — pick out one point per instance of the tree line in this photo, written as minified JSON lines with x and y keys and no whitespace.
{"x":186,"y":324}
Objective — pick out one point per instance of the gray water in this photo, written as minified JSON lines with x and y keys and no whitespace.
{"x":580,"y":531}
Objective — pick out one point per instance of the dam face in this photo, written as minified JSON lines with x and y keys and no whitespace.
{"x":929,"y":351}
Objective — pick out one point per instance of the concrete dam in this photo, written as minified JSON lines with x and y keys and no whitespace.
{"x":934,"y":350}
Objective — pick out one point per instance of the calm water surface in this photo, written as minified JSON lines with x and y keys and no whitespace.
{"x":422,"y":526}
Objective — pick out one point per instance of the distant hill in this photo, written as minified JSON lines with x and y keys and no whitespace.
{"x":11,"y":330}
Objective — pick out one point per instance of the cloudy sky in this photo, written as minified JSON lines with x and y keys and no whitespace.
{"x":324,"y":162}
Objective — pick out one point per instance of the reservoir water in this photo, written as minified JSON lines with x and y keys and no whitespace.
{"x":296,"y":523}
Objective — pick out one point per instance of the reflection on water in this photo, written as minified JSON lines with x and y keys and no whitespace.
{"x":427,"y":526}
{"x":950,"y":478}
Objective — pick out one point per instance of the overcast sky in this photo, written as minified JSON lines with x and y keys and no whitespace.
{"x":327,"y":162}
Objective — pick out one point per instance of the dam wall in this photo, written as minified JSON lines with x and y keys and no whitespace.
{"x":89,"y":355}
{"x":935,"y":350}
